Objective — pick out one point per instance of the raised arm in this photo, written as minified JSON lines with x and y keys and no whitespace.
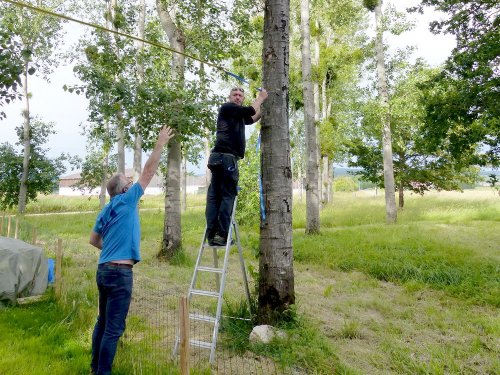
{"x":257,"y":103}
{"x":166,"y":133}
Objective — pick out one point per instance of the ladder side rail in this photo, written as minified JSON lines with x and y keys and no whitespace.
{"x":216,"y":265}
{"x":223,"y":284}
{"x":198,"y":261}
{"x":243,"y":268}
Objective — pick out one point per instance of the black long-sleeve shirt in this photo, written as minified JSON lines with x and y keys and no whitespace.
{"x":231,"y":121}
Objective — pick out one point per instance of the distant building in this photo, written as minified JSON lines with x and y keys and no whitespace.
{"x":67,"y":185}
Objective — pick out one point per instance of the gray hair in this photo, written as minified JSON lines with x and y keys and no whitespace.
{"x":237,"y":88}
{"x":115,"y":184}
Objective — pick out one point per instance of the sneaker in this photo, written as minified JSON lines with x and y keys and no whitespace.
{"x":217,"y":241}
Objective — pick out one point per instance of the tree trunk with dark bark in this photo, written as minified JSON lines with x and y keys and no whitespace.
{"x":276,"y":281}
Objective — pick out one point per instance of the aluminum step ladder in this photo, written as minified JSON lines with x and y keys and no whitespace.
{"x":220,"y":279}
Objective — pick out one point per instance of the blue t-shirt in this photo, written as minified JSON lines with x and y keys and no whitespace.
{"x":118,"y":225}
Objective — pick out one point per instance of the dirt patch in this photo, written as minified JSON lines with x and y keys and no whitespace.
{"x":379,"y":327}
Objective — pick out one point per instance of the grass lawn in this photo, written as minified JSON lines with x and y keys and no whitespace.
{"x":418,"y":297}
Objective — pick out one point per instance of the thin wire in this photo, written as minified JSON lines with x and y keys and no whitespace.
{"x":159,"y":45}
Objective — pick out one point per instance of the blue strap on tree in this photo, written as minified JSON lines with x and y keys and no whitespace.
{"x":261,"y":193}
{"x":241,"y":79}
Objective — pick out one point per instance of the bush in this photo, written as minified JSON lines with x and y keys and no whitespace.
{"x":345,"y":183}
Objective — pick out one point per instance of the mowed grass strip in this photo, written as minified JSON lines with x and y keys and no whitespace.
{"x":450,"y":242}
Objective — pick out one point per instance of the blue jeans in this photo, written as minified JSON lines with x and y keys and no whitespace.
{"x":115,"y":292}
{"x":221,"y":193}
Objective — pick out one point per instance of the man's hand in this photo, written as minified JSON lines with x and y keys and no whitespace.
{"x":166,"y":133}
{"x":257,"y":103}
{"x":263,"y":94}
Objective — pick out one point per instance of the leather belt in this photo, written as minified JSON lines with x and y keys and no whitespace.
{"x":119,"y":265}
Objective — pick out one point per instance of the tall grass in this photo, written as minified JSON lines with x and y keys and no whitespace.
{"x":447,"y":243}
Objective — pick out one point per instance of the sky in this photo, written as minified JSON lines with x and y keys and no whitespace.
{"x":52,"y":104}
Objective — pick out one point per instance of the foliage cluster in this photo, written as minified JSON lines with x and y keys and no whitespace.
{"x":12,"y":57}
{"x":462,"y":112}
{"x":43,"y":174}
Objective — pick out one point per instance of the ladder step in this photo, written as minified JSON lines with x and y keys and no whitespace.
{"x":202,"y":318}
{"x":216,"y":246}
{"x":201,"y":344}
{"x":207,"y":293}
{"x":210,"y":269}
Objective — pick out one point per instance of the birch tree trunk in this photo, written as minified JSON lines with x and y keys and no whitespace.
{"x":140,"y":79}
{"x":172,"y":240}
{"x":317,"y":119}
{"x":102,"y":193}
{"x":390,"y":199}
{"x":323,"y":99}
{"x":183,"y":184}
{"x":324,"y":190}
{"x":120,"y":136}
{"x":327,"y":183}
{"x":312,"y":196}
{"x":330,"y":182}
{"x":23,"y":190}
{"x":208,"y":172}
{"x":208,"y":133}
{"x":276,"y":281}
{"x":104,"y":178}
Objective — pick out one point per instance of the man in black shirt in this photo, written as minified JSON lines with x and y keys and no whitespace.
{"x":229,"y":148}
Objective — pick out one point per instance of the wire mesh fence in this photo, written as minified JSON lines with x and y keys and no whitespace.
{"x":148,"y":345}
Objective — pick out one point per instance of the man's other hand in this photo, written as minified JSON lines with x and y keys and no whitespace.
{"x":263,"y":94}
{"x":166,"y":133}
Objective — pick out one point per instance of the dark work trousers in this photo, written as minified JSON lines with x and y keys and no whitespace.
{"x":115,"y":293}
{"x":221,"y":193}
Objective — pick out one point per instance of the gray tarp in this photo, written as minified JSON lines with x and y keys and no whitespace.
{"x":23,"y":270}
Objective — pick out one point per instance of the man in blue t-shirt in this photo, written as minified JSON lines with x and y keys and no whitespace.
{"x":117,"y":234}
{"x":229,"y":148}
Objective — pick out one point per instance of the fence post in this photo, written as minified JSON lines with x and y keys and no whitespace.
{"x":8,"y":226}
{"x":1,"y":224}
{"x":184,"y":335}
{"x":33,"y":236}
{"x":58,"y":281}
{"x":16,"y":232}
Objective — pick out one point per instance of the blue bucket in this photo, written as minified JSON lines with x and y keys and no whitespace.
{"x":52,"y":265}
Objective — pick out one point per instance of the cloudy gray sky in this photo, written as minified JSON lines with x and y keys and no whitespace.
{"x":68,"y":111}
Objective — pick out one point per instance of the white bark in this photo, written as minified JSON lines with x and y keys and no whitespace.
{"x":390,"y":199}
{"x":172,"y":223}
{"x":120,"y":136}
{"x":23,"y":190}
{"x":183,"y":184}
{"x":324,"y":190}
{"x":312,"y":191}
{"x":208,"y":172}
{"x":140,"y":79}
{"x":317,"y":119}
